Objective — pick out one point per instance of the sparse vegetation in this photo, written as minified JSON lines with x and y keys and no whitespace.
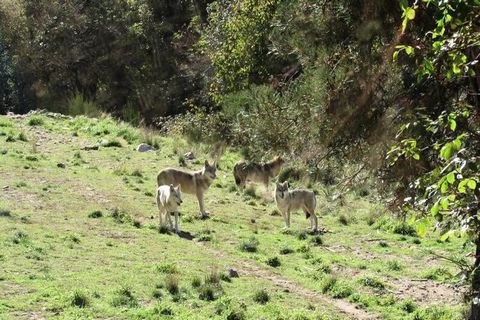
{"x":249,"y":245}
{"x":261,"y":296}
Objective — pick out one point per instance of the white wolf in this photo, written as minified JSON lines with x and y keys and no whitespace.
{"x":168,"y":200}
{"x":292,"y":200}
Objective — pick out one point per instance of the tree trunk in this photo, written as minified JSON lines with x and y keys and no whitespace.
{"x":475,"y":305}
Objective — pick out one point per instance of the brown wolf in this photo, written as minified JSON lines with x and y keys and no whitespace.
{"x":196,"y":182}
{"x":259,"y":172}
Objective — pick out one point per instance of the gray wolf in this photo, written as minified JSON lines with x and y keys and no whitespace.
{"x":292,"y":200}
{"x":196,"y":182}
{"x":168,"y":200}
{"x":259,"y":172}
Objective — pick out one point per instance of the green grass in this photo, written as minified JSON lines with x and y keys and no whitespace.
{"x":81,"y":241}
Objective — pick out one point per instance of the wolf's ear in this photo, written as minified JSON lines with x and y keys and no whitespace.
{"x":178,"y":188}
{"x":207,"y":164}
{"x":215,"y":164}
{"x":285,"y":184}
{"x":172,"y":188}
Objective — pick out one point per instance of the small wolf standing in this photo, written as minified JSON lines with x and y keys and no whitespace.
{"x":292,"y":200}
{"x":168,"y":200}
{"x":196,"y":182}
{"x":259,"y":172}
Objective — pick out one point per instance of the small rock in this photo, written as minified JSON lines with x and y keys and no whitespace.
{"x":189,"y":155}
{"x":103,"y":141}
{"x":143,"y":147}
{"x":233,"y":273}
{"x":5,"y":187}
{"x":61,"y":165}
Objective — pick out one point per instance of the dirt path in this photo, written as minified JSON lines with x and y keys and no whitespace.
{"x":247,"y":268}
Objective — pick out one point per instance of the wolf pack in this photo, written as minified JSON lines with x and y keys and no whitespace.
{"x":172,"y":182}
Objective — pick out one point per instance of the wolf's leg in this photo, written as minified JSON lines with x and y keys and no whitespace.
{"x":201,"y":205}
{"x":169,"y":217}
{"x":160,"y":212}
{"x":314,"y":222}
{"x":284,"y":215}
{"x":176,"y":221}
{"x":288,"y":218}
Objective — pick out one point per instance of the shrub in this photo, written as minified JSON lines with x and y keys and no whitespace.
{"x":249,"y":245}
{"x":95,"y":214}
{"x":168,"y":268}
{"x":316,"y":240}
{"x":120,"y":216}
{"x":22,"y":137}
{"x":328,"y":283}
{"x":286,"y":250}
{"x":394,"y":265}
{"x":209,"y":292}
{"x":273,"y":262}
{"x":171,"y":284}
{"x":124,"y":297}
{"x":136,"y":224}
{"x":302,"y":235}
{"x":405,"y":229}
{"x":408,"y":306}
{"x":20,"y":237}
{"x":112,"y":143}
{"x":35,"y":121}
{"x":261,"y":296}
{"x":372,"y":282}
{"x":212,"y":277}
{"x":5,"y":213}
{"x":80,"y":299}
{"x":196,"y":282}
{"x":439,"y":274}
{"x":343,"y":219}
{"x":236,"y":314}
{"x":157,"y":294}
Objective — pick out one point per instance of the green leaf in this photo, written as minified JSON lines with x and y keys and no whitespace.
{"x":447,"y":151}
{"x":451,"y":177}
{"x":434,"y":210}
{"x":453,"y":124}
{"x":444,"y":187}
{"x":456,"y":69}
{"x":461,"y":186}
{"x":472,"y":184}
{"x":416,"y":156}
{"x":444,"y":203}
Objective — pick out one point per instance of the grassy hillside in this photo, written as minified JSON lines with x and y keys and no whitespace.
{"x":79,"y":239}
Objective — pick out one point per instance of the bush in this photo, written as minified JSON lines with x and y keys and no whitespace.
{"x":5,"y":213}
{"x":95,"y":214}
{"x":209,"y":292}
{"x":80,"y":299}
{"x":316,"y":241}
{"x":212,"y":277}
{"x":249,"y":245}
{"x":286,"y":250}
{"x":261,"y":296}
{"x":343,"y":219}
{"x":408,"y":306}
{"x":171,"y":284}
{"x":124,"y":297}
{"x":157,"y":294}
{"x":168,"y":268}
{"x":290,"y":174}
{"x":35,"y":121}
{"x":236,"y":315}
{"x":273,"y":262}
{"x":196,"y":282}
{"x":112,"y":143}
{"x":373,"y":283}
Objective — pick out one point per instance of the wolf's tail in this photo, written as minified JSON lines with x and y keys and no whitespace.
{"x":236,"y":174}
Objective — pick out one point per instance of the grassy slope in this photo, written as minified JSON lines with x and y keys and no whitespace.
{"x":50,"y":248}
